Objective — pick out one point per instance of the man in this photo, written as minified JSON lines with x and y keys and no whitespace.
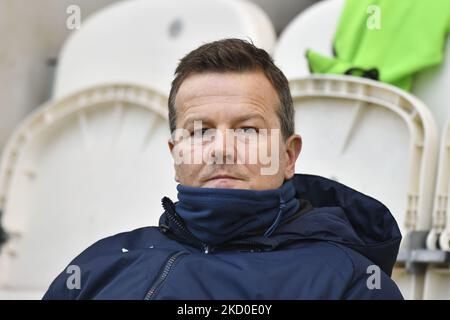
{"x":245,"y":226}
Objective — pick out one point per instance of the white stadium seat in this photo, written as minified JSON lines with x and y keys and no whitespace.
{"x":79,"y":169}
{"x":437,"y":278}
{"x":141,"y":41}
{"x":372,"y":137}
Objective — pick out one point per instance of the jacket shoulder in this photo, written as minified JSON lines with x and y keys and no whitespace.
{"x":135,"y":239}
{"x":105,"y":254}
{"x":368,"y":280}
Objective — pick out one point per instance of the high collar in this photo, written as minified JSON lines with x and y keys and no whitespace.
{"x":215,"y":215}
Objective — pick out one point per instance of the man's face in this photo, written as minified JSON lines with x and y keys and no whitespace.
{"x":246,"y":103}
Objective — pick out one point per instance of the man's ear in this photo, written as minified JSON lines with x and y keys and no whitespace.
{"x":293,"y":149}
{"x":171,"y":144}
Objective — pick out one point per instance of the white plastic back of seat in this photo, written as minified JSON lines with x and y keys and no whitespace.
{"x":370,"y":136}
{"x":439,"y":237}
{"x":141,"y":41}
{"x":91,"y":165}
{"x":314,"y":28}
{"x":440,"y":232}
{"x":437,"y":278}
{"x":432,"y":87}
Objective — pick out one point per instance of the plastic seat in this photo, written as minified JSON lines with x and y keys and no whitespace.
{"x":314,"y":29}
{"x":140,"y":41}
{"x":439,"y":237}
{"x":437,"y":278}
{"x":372,"y":137}
{"x":79,"y":169}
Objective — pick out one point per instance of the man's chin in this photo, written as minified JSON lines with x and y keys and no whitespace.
{"x":225,"y":183}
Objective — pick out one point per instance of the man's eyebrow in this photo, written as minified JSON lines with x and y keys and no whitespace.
{"x":191,"y":119}
{"x":250,"y":116}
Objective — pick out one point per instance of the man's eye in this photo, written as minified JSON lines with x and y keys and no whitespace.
{"x":200,"y":132}
{"x":249,"y":130}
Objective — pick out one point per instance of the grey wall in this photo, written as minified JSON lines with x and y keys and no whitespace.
{"x":31,"y":34}
{"x":283,"y":11}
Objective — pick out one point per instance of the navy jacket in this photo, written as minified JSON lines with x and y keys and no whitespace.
{"x":342,"y":245}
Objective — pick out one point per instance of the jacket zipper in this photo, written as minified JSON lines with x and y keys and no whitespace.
{"x":168,"y":207}
{"x":163,"y":275}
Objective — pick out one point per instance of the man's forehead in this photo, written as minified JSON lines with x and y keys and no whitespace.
{"x":247,"y":87}
{"x":209,"y":99}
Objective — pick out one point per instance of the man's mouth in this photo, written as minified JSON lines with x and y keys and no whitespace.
{"x":222,"y":181}
{"x":222,"y":176}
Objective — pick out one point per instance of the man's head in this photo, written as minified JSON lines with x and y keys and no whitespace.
{"x":232,"y":85}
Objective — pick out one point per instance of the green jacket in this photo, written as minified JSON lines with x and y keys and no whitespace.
{"x":387,"y":40}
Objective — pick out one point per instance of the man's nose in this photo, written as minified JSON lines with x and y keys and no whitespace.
{"x":223,"y":148}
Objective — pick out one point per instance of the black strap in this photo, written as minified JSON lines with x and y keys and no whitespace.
{"x":365,"y":73}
